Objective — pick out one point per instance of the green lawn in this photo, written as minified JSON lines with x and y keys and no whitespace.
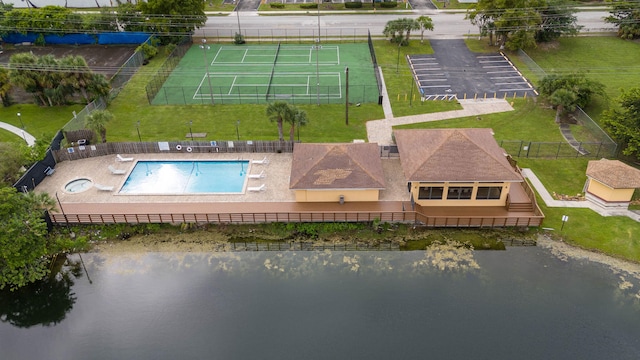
{"x":326,"y":122}
{"x":528,"y":122}
{"x":38,"y":121}
{"x":614,"y":235}
{"x":609,"y":60}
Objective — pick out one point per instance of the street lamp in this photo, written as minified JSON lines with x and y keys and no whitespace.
{"x":204,"y":48}
{"x":346,"y":93}
{"x":20,"y":118}
{"x":138,"y":129}
{"x":238,"y":129}
{"x":190,"y":131}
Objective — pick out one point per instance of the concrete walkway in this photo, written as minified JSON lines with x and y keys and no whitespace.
{"x":30,"y":139}
{"x":379,"y":131}
{"x":551,"y":202}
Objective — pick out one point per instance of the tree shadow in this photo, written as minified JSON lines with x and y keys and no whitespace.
{"x":45,"y":302}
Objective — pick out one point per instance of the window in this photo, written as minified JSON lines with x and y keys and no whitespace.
{"x":459,"y":193}
{"x":489,"y":192}
{"x":430,"y":193}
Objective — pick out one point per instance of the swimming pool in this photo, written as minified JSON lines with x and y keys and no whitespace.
{"x":186,"y":177}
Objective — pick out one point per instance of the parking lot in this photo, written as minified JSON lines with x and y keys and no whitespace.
{"x":454,"y":71}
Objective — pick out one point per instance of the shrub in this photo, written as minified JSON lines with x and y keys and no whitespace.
{"x":40,"y":41}
{"x":238,"y":39}
{"x":389,"y":4}
{"x":148,"y":51}
{"x":308,"y":6}
{"x":276,"y":5}
{"x":353,"y":5}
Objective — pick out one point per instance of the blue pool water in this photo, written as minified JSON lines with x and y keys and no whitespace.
{"x":186,"y":177}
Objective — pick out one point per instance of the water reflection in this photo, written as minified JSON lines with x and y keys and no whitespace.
{"x":444,"y":303}
{"x":45,"y":302}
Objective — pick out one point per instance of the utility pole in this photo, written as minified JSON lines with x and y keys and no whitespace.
{"x":346,"y":93}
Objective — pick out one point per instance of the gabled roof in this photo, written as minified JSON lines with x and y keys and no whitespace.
{"x":614,"y":174}
{"x":440,"y":155}
{"x":336,"y":166}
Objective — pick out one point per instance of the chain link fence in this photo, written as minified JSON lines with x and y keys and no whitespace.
{"x":599,"y":140}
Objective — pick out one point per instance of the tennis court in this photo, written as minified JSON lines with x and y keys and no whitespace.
{"x":233,"y":74}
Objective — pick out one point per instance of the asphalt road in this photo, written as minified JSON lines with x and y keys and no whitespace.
{"x":446,"y":25}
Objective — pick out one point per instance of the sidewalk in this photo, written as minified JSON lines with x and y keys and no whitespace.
{"x":379,"y":131}
{"x":551,"y":202}
{"x":30,"y":139}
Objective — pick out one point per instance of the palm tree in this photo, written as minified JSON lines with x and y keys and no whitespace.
{"x":280,"y":111}
{"x":426,"y":23}
{"x":97,"y":122}
{"x":408,"y":25}
{"x":393,"y":29}
{"x":41,"y":201}
{"x":77,"y":75}
{"x":24,"y":74}
{"x":299,"y":118}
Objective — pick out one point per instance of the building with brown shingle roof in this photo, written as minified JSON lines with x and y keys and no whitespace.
{"x":611,"y":183}
{"x":455,"y":167}
{"x":336,"y":172}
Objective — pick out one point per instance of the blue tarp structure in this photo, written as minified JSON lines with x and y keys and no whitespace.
{"x":81,"y":39}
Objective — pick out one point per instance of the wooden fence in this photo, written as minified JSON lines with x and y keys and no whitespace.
{"x":88,"y":151}
{"x":253,"y":218}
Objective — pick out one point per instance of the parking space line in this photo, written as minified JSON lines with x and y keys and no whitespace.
{"x":505,"y":77}
{"x":497,"y":66}
{"x":436,"y":86}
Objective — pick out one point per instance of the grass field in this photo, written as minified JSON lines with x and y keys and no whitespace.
{"x":244,"y":74}
{"x":609,"y":60}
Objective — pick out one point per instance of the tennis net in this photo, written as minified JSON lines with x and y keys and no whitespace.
{"x":273,"y":69}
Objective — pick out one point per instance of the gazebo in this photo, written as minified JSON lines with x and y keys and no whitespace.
{"x":611,"y":183}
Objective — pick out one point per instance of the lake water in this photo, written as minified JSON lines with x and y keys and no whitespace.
{"x":522,"y":303}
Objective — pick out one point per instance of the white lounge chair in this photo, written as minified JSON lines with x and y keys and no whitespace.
{"x":103,"y":187}
{"x":262,"y":187}
{"x":123,"y":159}
{"x":264,"y":161}
{"x":262,"y":175}
{"x":115,"y":171}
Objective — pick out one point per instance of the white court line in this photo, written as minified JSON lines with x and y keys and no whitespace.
{"x":244,"y":55}
{"x":338,"y":55}
{"x":215,"y":57}
{"x":308,"y":80}
{"x":232,"y":85}
{"x":198,"y":88}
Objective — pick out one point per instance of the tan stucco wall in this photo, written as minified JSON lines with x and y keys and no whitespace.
{"x":415,"y":189}
{"x":334,"y":195}
{"x":606,"y":193}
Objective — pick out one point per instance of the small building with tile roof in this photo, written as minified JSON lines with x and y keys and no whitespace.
{"x":343,"y":172}
{"x":611,"y":183}
{"x":456,"y":167}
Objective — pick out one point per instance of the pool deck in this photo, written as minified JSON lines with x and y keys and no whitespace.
{"x":276,"y":197}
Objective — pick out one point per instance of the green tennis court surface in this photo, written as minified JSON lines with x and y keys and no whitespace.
{"x":303,"y":74}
